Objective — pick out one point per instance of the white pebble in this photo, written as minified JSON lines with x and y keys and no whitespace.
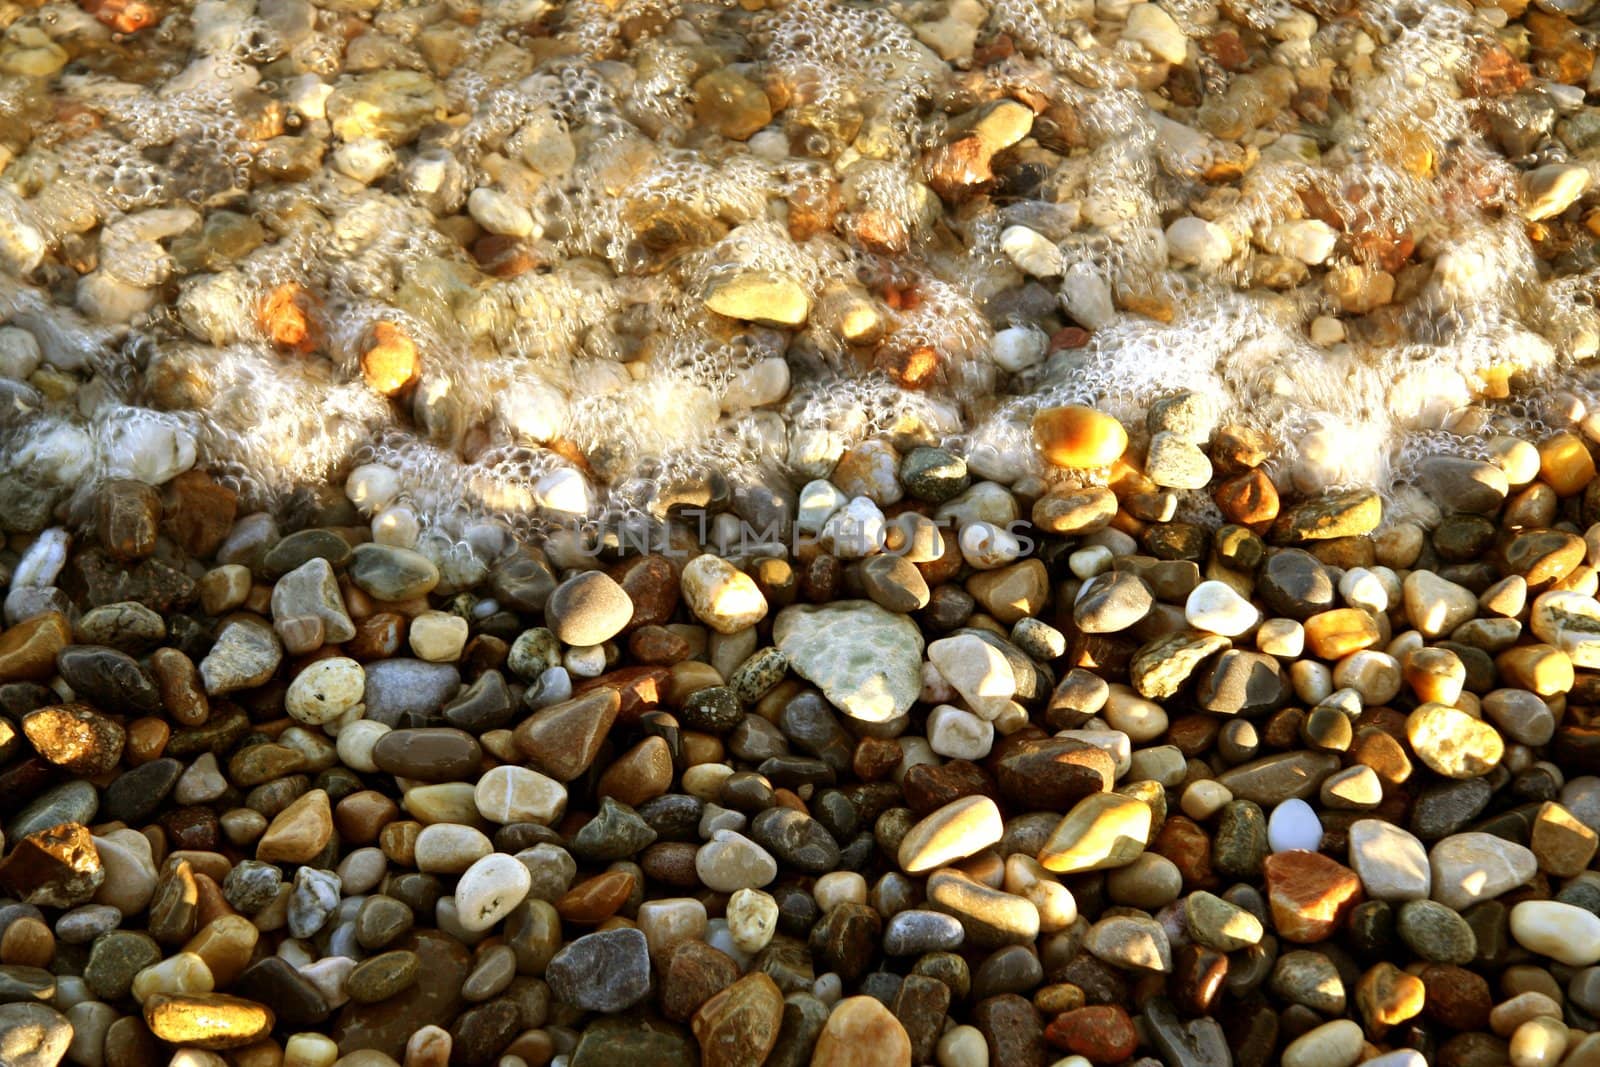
{"x":490,"y":889}
{"x":1017,"y":348}
{"x":1294,"y":825}
{"x":1565,"y":932}
{"x":325,"y":690}
{"x":959,"y":734}
{"x":1216,"y":607}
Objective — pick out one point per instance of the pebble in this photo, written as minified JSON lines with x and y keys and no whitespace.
{"x":1101,"y":831}
{"x":741,"y":1023}
{"x":1435,"y":933}
{"x":1130,"y":941}
{"x":489,"y":889}
{"x":1472,"y":867}
{"x":730,"y":862}
{"x":1294,"y":825}
{"x":588,"y":609}
{"x":325,"y":691}
{"x":390,"y":573}
{"x":874,"y":677}
{"x":1078,"y":437}
{"x":509,"y":794}
{"x":1218,"y":924}
{"x":608,"y":971}
{"x":1333,"y":1044}
{"x":1565,"y":933}
{"x":1453,"y":743}
{"x":1216,"y":607}
{"x":1392,"y":864}
{"x":954,"y":832}
{"x":1309,"y":894}
{"x":33,"y":1035}
{"x":245,"y":655}
{"x":861,"y":1032}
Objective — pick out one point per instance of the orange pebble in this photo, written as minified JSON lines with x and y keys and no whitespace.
{"x":1078,"y":437}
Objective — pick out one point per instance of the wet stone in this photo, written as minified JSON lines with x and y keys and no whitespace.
{"x":846,"y":938}
{"x":55,"y":867}
{"x":382,"y":976}
{"x":1435,"y":933}
{"x":607,"y":971}
{"x":33,"y":1035}
{"x":483,"y":1031}
{"x":75,"y":737}
{"x":127,"y":627}
{"x":389,"y":573}
{"x":108,"y":678}
{"x":428,"y":754}
{"x":615,"y":833}
{"x":1012,"y":1030}
{"x":796,"y":839}
{"x":484,"y":705}
{"x":138,"y":793}
{"x":67,"y":803}
{"x":291,"y":996}
{"x":694,"y":974}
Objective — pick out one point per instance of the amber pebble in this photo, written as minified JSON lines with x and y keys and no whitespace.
{"x":147,"y":740}
{"x":28,"y":649}
{"x":1565,"y":464}
{"x":398,"y":840}
{"x":377,"y":637}
{"x":182,"y":694}
{"x":1078,"y":437}
{"x":1197,"y":977}
{"x":643,"y":772}
{"x":391,"y":363}
{"x":1188,"y":846}
{"x":27,"y":942}
{"x":1249,"y":499}
{"x":596,"y":899}
{"x":361,"y":815}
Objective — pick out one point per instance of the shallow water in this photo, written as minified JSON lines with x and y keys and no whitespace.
{"x":168,"y":192}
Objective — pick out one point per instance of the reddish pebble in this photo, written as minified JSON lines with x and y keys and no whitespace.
{"x":1102,"y":1034}
{"x":1310,"y":894}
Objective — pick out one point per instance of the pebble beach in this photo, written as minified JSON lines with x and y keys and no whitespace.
{"x":985,"y":533}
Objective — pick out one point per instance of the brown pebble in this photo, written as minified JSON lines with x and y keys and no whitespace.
{"x":27,"y":942}
{"x":642,"y":772}
{"x":360,"y":816}
{"x":596,"y":899}
{"x":28,"y":649}
{"x":147,"y":740}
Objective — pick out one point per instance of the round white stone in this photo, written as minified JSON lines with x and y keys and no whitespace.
{"x":1294,"y":825}
{"x":1016,"y":348}
{"x":562,"y":491}
{"x":1215,"y":606}
{"x":371,"y":487}
{"x":489,"y":889}
{"x":325,"y":690}
{"x":1192,"y":240}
